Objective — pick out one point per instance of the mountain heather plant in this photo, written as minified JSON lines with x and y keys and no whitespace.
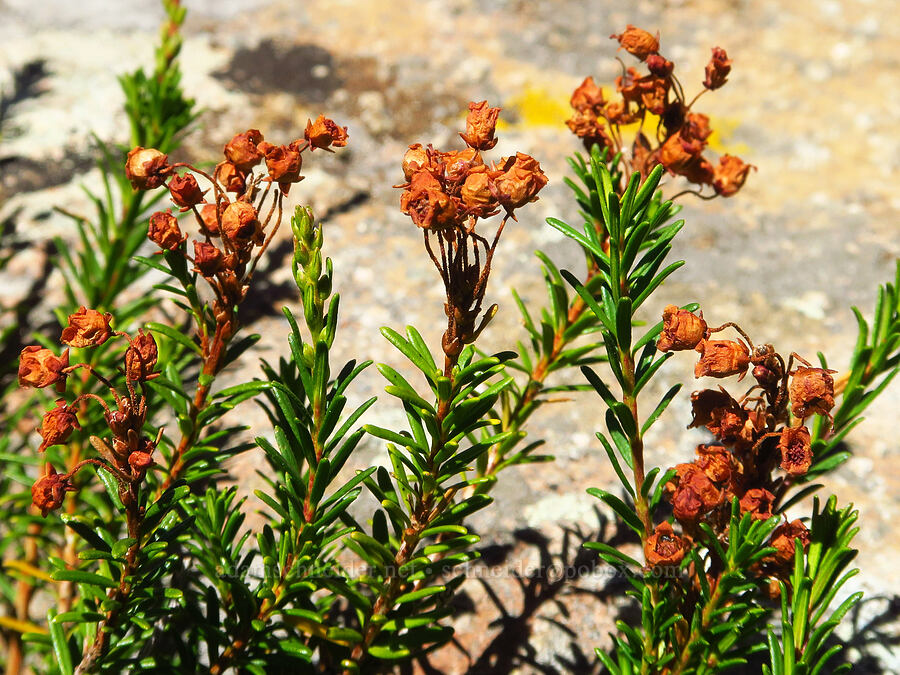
{"x":125,"y":540}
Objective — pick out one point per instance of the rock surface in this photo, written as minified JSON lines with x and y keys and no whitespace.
{"x":815,"y":230}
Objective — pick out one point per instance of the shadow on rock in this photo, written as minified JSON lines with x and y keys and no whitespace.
{"x":547,"y":586}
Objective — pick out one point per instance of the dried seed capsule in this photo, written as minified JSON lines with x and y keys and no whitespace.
{"x":664,"y":547}
{"x":87,"y":328}
{"x":812,"y":392}
{"x":40,"y":367}
{"x":146,"y":168}
{"x":241,"y":150}
{"x":722,"y":358}
{"x":140,"y":357}
{"x":681,"y":330}
{"x":481,"y":123}
{"x":57,"y":425}
{"x":164,"y":231}
{"x":637,"y":42}
{"x":717,"y":69}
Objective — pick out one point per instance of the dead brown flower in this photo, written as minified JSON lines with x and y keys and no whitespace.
{"x":48,"y":492}
{"x":164,"y":231}
{"x":716,"y":462}
{"x":730,"y":175}
{"x":241,"y":225}
{"x":717,"y":69}
{"x":140,"y":357}
{"x":664,"y":547}
{"x":588,"y":97}
{"x":207,"y":258}
{"x":811,"y":391}
{"x":40,"y":367}
{"x":476,"y":193}
{"x":146,"y":168}
{"x":416,"y":159}
{"x":428,"y":205}
{"x":637,"y":42}
{"x":481,"y":123}
{"x":520,"y":181}
{"x":210,"y":218}
{"x":57,"y":425}
{"x":796,"y":450}
{"x":325,"y":134}
{"x":758,"y":503}
{"x":185,"y":191}
{"x":693,"y":493}
{"x":722,"y":358}
{"x":232,"y":178}
{"x":241,"y":150}
{"x":283,"y":163}
{"x":659,"y":65}
{"x":457,"y":165}
{"x":588,"y":127}
{"x":718,"y":412}
{"x":783,"y":539}
{"x":87,"y":328}
{"x":681,"y":330}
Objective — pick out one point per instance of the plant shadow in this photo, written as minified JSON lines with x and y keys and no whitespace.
{"x":545,"y":591}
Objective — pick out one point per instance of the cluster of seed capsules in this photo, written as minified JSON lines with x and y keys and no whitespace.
{"x":128,"y":454}
{"x":756,"y":435}
{"x":445,"y":194}
{"x":452,"y":190}
{"x":234,"y":232}
{"x":231,"y":228}
{"x":657,"y":99}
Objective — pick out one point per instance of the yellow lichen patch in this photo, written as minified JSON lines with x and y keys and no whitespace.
{"x":721,"y":139}
{"x":540,"y":107}
{"x":546,"y":106}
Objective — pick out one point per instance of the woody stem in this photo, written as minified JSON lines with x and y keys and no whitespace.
{"x":428,"y":508}
{"x":211,"y":365}
{"x":129,"y":494}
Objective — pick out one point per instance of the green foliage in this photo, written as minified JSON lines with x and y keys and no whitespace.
{"x":309,"y":574}
{"x":418,"y":537}
{"x":807,"y":618}
{"x":711,"y":615}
